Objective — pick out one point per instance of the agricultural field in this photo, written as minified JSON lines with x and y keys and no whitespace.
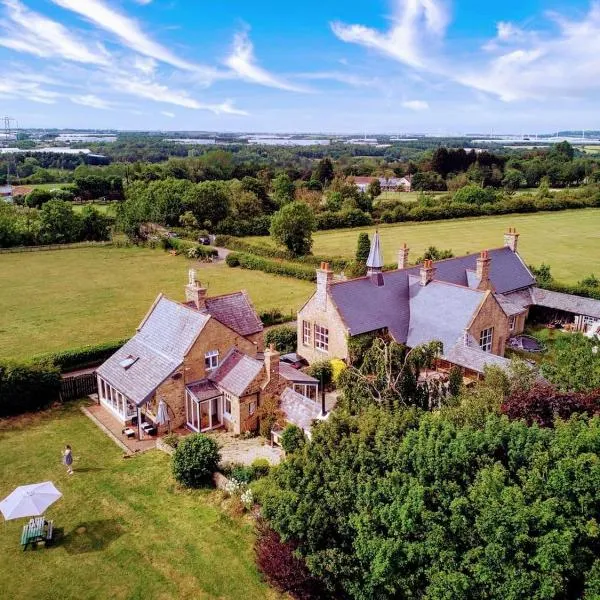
{"x":56,"y":300}
{"x":569,"y":241}
{"x":123,"y":528}
{"x":406,"y":196}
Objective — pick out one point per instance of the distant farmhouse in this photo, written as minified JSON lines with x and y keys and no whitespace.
{"x":388,"y":184}
{"x":473,"y":304}
{"x":205,"y":359}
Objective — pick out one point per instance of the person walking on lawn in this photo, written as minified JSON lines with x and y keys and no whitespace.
{"x":68,"y":459}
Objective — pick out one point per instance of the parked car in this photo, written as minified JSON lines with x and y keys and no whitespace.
{"x":204,"y":240}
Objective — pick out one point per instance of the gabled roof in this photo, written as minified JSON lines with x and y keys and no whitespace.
{"x":295,"y":375}
{"x":567,"y":302}
{"x":157,"y":349}
{"x":474,"y":359}
{"x":203,"y":389}
{"x":236,"y":312}
{"x":440,"y":311}
{"x":237,"y":372}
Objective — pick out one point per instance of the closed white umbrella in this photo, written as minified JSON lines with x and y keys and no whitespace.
{"x":162,"y":414}
{"x":29,"y":500}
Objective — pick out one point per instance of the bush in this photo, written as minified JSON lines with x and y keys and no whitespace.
{"x":80,"y":358}
{"x":171,"y":439}
{"x":27,"y":387}
{"x":195,"y":460}
{"x":261,"y":467}
{"x":281,"y":567}
{"x":257,"y":263}
{"x":283,"y":338}
{"x":202,"y":252}
{"x":338,"y":366}
{"x":275,"y":317}
{"x":292,"y":439}
{"x":322,"y":371}
{"x":233,"y":260}
{"x":242,"y":473}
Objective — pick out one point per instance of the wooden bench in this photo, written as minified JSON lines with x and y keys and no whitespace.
{"x":34,"y":532}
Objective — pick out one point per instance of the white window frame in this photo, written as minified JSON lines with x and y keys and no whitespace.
{"x":116,"y":402}
{"x":227,"y":399}
{"x":512,"y":322}
{"x":321,"y":338}
{"x":303,"y":390}
{"x":486,"y":339}
{"x":211,"y":360}
{"x":306,"y":333}
{"x":252,"y":406}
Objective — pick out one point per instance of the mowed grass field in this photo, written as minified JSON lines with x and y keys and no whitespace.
{"x":569,"y":241}
{"x":62,"y":299}
{"x":125,"y":529}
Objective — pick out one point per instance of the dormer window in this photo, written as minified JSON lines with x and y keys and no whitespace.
{"x":129,"y":361}
{"x":211,"y":360}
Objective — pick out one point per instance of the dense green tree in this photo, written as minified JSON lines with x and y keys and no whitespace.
{"x":374,"y":188}
{"x":58,"y":223}
{"x":363,"y":247}
{"x":292,"y":226}
{"x":94,"y":225}
{"x":324,"y":171}
{"x":474,"y":194}
{"x":573,"y":364}
{"x":208,"y":201}
{"x":37,"y":197}
{"x":428,"y":181}
{"x":405,"y":507}
{"x":283,"y":189}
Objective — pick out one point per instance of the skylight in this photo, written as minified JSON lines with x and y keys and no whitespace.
{"x":127,"y":362}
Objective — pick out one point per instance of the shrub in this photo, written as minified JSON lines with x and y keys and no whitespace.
{"x":281,"y":567}
{"x":258,"y":263}
{"x":80,"y":358}
{"x":322,"y":371}
{"x":171,"y":439}
{"x":195,"y":460}
{"x":283,"y":338}
{"x":292,"y":439}
{"x":232,"y":260}
{"x":27,"y":387}
{"x":338,"y":366}
{"x":261,"y":467}
{"x":274,"y":317}
{"x":242,"y":473}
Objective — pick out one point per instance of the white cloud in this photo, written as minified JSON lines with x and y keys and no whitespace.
{"x":166,"y":113}
{"x":145,"y":64}
{"x":243,"y":63}
{"x":30,"y":32}
{"x":91,"y":100}
{"x":340,"y":76}
{"x":416,"y":105}
{"x":538,"y":64}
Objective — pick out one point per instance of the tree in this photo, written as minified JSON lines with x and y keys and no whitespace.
{"x":363,"y":247}
{"x":292,"y":439}
{"x":413,"y":506}
{"x":195,"y":460}
{"x":188,"y":220}
{"x":474,"y":194}
{"x":573,"y":364}
{"x":513,"y":180}
{"x":428,"y":181}
{"x":324,"y":171}
{"x":374,"y":188}
{"x":37,"y":197}
{"x":283,"y":189}
{"x":58,"y":223}
{"x":95,"y":226}
{"x":293,"y":226}
{"x":284,"y":338}
{"x":208,"y":201}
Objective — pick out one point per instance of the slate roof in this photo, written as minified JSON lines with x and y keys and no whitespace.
{"x":236,"y":372}
{"x":294,"y":375}
{"x":236,"y":311}
{"x":299,"y":410}
{"x":567,"y":302}
{"x":509,"y":307}
{"x":439,"y":311}
{"x":203,"y":389}
{"x":157,"y":349}
{"x":474,"y":358}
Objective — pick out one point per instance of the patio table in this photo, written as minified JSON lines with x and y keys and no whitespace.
{"x":33,"y":532}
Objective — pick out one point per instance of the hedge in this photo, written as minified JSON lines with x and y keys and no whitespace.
{"x":576,"y":290}
{"x":337,"y":263}
{"x":27,"y":387}
{"x":258,"y":263}
{"x":283,"y":338}
{"x":275,"y":317}
{"x":79,"y":358}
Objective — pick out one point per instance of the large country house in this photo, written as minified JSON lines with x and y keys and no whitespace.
{"x":473,"y":304}
{"x":206,"y":361}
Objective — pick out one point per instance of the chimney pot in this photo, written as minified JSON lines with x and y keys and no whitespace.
{"x":511,"y":238}
{"x":403,"y":256}
{"x":427,"y":272}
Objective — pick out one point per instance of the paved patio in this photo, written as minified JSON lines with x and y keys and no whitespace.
{"x":245,"y":451}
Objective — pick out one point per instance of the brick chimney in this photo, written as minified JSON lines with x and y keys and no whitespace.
{"x":272,"y":364}
{"x":324,"y":279}
{"x":403,"y":257}
{"x":427,"y":272}
{"x":511,"y":238}
{"x":194,"y":292}
{"x":483,"y":271}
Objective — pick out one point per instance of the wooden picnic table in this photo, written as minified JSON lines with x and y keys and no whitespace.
{"x":37,"y":530}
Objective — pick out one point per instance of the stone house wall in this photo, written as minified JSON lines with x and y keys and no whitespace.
{"x":490,"y":314}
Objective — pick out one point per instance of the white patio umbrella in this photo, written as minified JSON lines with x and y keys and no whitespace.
{"x":162,"y":414}
{"x":29,"y":500}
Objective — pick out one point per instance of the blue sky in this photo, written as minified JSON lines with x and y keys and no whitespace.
{"x":330,"y":65}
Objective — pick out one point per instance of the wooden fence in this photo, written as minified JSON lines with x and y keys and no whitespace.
{"x":72,"y":388}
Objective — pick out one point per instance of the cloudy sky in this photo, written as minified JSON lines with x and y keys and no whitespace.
{"x":435,"y":66}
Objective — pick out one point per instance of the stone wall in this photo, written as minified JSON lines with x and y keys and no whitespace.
{"x":490,"y":314}
{"x":172,"y":391}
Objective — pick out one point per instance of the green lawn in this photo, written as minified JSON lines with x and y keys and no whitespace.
{"x":109,"y":209}
{"x":67,"y":298}
{"x":125,"y":529}
{"x":569,"y":241}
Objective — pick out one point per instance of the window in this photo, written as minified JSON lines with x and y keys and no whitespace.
{"x":211,"y":360}
{"x":308,"y":390}
{"x":321,"y":338}
{"x":306,"y":333}
{"x":228,"y":401}
{"x":252,"y":408}
{"x":511,"y":323}
{"x":486,"y":338}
